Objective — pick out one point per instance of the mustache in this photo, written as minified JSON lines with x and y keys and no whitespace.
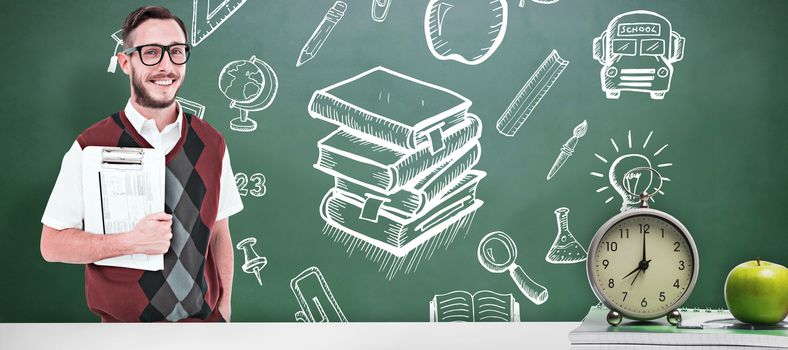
{"x":172,"y":76}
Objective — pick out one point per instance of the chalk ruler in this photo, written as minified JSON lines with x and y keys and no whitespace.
{"x":205,"y":19}
{"x":531,"y":93}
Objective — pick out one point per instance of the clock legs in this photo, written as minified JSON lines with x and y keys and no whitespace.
{"x":614,"y":318}
{"x":674,"y":317}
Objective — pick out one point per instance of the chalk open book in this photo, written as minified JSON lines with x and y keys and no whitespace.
{"x":698,"y":328}
{"x":482,"y":306}
{"x":119,"y":187}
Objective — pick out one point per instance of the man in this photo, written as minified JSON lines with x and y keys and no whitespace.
{"x":200,"y":193}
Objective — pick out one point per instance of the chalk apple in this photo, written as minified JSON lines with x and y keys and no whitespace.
{"x":466,"y":31}
{"x":757,"y":292}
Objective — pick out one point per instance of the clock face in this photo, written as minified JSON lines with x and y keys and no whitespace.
{"x":643,"y":266}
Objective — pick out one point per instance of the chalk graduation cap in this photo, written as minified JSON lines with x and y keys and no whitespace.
{"x":113,"y":61}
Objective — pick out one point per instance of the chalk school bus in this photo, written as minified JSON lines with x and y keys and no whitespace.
{"x":637,"y":52}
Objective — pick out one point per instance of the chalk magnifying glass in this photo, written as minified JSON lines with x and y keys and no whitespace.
{"x":497,"y":253}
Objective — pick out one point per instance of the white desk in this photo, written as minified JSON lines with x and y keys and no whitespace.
{"x":290,"y":336}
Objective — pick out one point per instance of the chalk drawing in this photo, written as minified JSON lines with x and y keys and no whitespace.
{"x":448,"y":30}
{"x":392,"y":265}
{"x":637,"y":52}
{"x":250,"y":85}
{"x":380,"y":9}
{"x":208,"y":15}
{"x":191,"y":107}
{"x":482,"y":306}
{"x":568,"y":148}
{"x":393,"y":107}
{"x":253,"y":263}
{"x":565,"y":249}
{"x":113,"y":60}
{"x":315,"y":298}
{"x":497,"y":253}
{"x":321,"y":33}
{"x":402,"y":159}
{"x":531,"y":93}
{"x":635,"y":182}
{"x":257,"y":180}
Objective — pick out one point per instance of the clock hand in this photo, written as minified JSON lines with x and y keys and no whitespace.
{"x":644,"y":265}
{"x":644,"y":246}
{"x":636,"y":277}
{"x":633,"y":271}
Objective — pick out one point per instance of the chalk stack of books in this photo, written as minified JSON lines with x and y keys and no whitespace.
{"x":402,"y":158}
{"x":699,"y":329}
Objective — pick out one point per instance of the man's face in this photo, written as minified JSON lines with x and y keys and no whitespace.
{"x":154,"y":86}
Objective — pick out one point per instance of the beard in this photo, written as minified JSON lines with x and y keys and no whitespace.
{"x":145,"y":99}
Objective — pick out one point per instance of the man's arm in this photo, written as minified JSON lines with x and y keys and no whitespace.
{"x":151,"y":235}
{"x":222,"y":247}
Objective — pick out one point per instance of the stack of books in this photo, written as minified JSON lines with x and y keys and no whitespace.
{"x":699,"y":329}
{"x":402,"y":159}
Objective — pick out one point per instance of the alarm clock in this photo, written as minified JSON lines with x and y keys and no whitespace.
{"x":642,"y":263}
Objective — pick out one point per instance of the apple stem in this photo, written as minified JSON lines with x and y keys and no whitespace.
{"x":758,"y":259}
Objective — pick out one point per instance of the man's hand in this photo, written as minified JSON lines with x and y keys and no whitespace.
{"x":222,"y":248}
{"x":224,"y":308}
{"x":151,"y":234}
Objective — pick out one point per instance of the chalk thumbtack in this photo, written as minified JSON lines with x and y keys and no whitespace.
{"x":253,"y":263}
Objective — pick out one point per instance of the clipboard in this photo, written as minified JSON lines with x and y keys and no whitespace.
{"x":121,"y":185}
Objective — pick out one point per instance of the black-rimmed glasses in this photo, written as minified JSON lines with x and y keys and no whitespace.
{"x":151,"y":54}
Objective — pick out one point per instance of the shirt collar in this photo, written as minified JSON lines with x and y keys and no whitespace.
{"x":138,"y":120}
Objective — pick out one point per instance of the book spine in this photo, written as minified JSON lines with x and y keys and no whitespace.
{"x":414,"y":198}
{"x":417,"y":162}
{"x":421,"y":130}
{"x":405,"y":201}
{"x":350,"y":158}
{"x":445,"y":211}
{"x":332,"y":109}
{"x":338,"y":211}
{"x":451,"y":173}
{"x":391,"y":229}
{"x":330,"y":161}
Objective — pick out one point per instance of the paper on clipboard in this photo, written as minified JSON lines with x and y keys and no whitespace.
{"x":119,"y":187}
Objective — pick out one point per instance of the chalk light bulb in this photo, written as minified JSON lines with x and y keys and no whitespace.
{"x":632,"y":181}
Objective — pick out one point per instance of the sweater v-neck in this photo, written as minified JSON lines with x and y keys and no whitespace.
{"x":145,"y":144}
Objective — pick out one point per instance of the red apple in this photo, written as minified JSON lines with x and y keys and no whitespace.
{"x":757,"y":292}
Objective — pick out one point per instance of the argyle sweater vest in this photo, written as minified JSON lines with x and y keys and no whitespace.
{"x":188,"y":288}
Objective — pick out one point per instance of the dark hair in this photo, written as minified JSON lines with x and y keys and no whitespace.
{"x":142,"y":14}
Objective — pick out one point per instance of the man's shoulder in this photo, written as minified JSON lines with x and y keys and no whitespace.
{"x":104,"y":132}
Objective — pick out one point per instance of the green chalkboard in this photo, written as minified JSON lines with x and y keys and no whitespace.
{"x":716,"y":131}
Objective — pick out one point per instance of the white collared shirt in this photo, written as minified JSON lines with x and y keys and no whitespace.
{"x":164,"y":140}
{"x":65,"y":206}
